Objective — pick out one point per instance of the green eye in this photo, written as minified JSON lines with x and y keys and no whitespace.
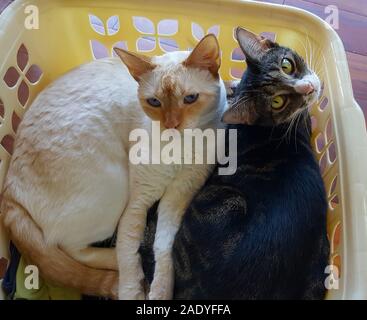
{"x":287,"y":66}
{"x":278,"y":102}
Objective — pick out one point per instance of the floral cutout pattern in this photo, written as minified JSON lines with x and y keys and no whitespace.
{"x":23,"y":74}
{"x":152,"y":35}
{"x":198,"y":31}
{"x":112,"y":25}
{"x":110,"y":28}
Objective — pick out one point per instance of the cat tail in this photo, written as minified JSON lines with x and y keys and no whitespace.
{"x":54,"y":264}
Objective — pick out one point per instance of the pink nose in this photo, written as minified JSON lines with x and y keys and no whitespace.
{"x":305,"y":88}
{"x":171,"y":123}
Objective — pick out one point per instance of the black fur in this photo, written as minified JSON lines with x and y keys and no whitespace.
{"x":260,"y":233}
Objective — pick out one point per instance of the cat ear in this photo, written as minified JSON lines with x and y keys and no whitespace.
{"x":252,"y":45}
{"x":206,"y":55}
{"x":240,"y":115}
{"x":137,"y":64}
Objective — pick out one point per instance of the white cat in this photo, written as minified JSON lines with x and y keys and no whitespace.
{"x":70,"y":179}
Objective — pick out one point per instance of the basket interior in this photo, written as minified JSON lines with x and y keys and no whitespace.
{"x":73,"y":32}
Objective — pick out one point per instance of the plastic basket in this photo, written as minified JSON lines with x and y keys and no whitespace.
{"x":72,"y":32}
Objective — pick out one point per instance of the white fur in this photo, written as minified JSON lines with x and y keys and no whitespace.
{"x":77,"y":183}
{"x":70,"y":169}
{"x":173,"y":185}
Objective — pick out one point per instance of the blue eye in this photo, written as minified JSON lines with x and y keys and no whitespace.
{"x":154,"y":102}
{"x":191,"y":98}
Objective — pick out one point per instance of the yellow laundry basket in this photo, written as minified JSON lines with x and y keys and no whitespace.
{"x":41,"y":39}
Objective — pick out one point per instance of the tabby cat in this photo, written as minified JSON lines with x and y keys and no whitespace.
{"x":260,"y":233}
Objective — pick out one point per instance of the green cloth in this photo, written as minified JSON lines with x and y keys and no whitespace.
{"x":45,"y":290}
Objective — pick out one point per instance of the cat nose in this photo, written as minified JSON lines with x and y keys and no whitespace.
{"x":171,"y":123}
{"x":305,"y":88}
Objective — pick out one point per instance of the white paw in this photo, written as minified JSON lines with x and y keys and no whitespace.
{"x":161,"y":290}
{"x":130,"y":292}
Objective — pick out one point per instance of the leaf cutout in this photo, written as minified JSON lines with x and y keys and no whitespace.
{"x":323,"y":163}
{"x":145,"y":44}
{"x":113,"y":25}
{"x":214,"y":30}
{"x":269,"y":35}
{"x":8,"y":143}
{"x":320,"y":142}
{"x":23,"y":93}
{"x":99,"y":51}
{"x":34,"y":73}
{"x":333,"y":186}
{"x":167,"y":27}
{"x":97,"y":24}
{"x":334,"y":202}
{"x":144,"y":25}
{"x":324,"y":104}
{"x":15,"y":120}
{"x":2,"y":109}
{"x":197,"y":31}
{"x":168,"y":44}
{"x":238,"y":55}
{"x":11,"y":77}
{"x":121,"y":45}
{"x":22,"y":57}
{"x":332,"y":152}
{"x":236,"y":73}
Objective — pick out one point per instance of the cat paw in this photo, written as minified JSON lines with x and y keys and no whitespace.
{"x":115,"y":288}
{"x":161,"y":291}
{"x":131,"y":291}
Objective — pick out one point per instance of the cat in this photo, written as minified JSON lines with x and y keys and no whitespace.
{"x":185,"y":79}
{"x":70,"y":180}
{"x":260,"y":233}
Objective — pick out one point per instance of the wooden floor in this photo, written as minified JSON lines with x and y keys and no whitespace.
{"x":352,"y":30}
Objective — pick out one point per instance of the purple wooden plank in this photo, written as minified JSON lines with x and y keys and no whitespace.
{"x":4,"y":4}
{"x":351,"y":26}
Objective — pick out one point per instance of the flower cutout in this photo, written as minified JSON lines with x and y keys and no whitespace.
{"x":112,"y":25}
{"x":198,"y":32}
{"x":269,"y":35}
{"x":152,"y":35}
{"x":110,"y":28}
{"x":23,"y":74}
{"x":100,"y":51}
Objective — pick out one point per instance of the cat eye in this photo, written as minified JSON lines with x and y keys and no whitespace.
{"x":154,"y":102}
{"x":278,"y":102}
{"x":191,"y":98}
{"x":287,"y":66}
